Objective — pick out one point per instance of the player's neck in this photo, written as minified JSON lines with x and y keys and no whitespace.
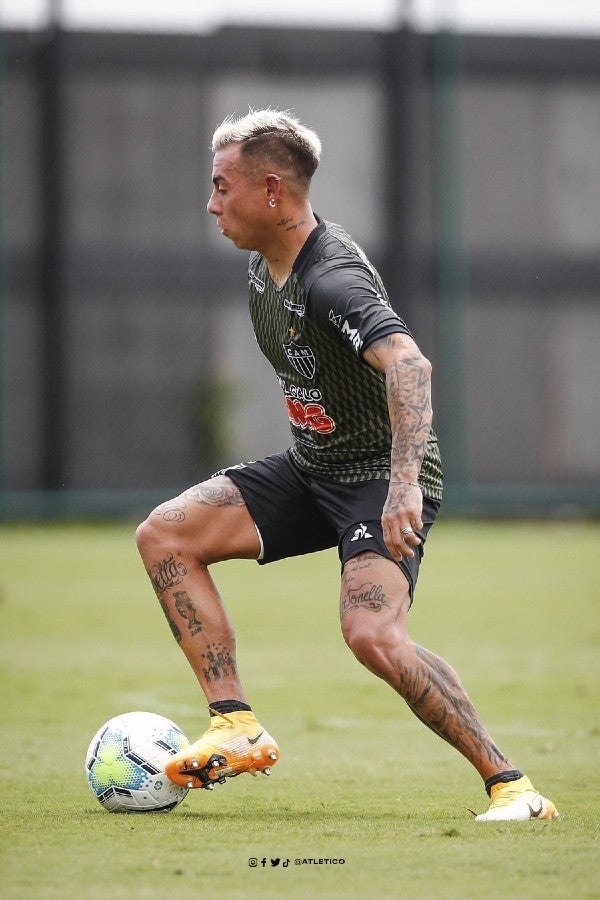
{"x":289,"y":236}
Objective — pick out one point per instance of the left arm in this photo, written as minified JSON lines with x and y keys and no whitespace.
{"x":408,"y":385}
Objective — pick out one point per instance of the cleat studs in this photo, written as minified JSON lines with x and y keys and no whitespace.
{"x":195,"y":764}
{"x":190,"y":784}
{"x":222,"y":780}
{"x":266,"y":771}
{"x":272,"y":755}
{"x":209,"y":786}
{"x":215,"y":763}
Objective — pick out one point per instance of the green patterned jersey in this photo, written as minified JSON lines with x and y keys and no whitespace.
{"x":313,"y":331}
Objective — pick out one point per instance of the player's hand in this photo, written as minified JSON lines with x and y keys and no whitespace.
{"x":401,"y":519}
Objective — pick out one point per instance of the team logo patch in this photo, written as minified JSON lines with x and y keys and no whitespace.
{"x":302,"y":358}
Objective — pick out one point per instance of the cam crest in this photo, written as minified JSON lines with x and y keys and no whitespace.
{"x":302,"y":358}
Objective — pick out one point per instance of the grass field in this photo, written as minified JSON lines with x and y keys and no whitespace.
{"x":514,"y":607}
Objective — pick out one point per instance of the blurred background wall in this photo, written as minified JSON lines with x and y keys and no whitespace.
{"x":466,"y":165}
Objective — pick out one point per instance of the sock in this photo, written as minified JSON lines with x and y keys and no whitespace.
{"x":228,"y":706}
{"x":502,"y":778}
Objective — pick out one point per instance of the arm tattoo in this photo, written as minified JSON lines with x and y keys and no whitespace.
{"x":408,"y":391}
{"x":434,"y":693}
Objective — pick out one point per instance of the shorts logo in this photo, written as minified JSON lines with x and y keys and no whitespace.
{"x":361,"y":533}
{"x":302,"y":358}
{"x":309,"y":415}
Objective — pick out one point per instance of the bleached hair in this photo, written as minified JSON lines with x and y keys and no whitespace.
{"x":275,"y":136}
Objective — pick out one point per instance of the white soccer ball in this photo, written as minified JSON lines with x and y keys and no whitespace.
{"x":125,"y":763}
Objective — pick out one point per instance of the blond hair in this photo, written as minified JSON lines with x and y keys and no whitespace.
{"x":275,"y":138}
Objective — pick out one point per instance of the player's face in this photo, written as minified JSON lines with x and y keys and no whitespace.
{"x":238,"y":201}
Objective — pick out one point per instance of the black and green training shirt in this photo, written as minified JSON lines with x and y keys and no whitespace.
{"x":313,"y":331}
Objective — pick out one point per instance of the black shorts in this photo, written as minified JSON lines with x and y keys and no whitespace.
{"x":297,"y":512}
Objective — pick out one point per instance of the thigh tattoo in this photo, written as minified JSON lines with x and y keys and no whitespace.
{"x":358,"y":592}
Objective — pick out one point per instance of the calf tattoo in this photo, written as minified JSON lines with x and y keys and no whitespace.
{"x":172,"y":625}
{"x":186,"y":610}
{"x":219,"y":662}
{"x":434,"y":693}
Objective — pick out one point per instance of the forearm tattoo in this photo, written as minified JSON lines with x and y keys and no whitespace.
{"x":409,"y":401}
{"x":408,"y":391}
{"x":434,"y":693}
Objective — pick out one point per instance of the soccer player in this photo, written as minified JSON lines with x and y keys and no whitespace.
{"x":363,"y":472}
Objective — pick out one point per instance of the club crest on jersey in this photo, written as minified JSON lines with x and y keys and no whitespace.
{"x":302,"y":358}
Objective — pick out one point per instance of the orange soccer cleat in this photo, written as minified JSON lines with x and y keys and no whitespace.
{"x":518,"y":801}
{"x":235,"y":742}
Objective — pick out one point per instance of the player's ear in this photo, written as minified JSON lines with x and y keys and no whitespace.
{"x":273,"y":188}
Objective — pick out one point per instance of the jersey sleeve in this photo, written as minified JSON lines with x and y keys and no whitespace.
{"x":346,"y":301}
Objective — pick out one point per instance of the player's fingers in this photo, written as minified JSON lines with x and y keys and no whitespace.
{"x":399,"y":540}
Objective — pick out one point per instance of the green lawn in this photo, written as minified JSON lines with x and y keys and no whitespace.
{"x":514,"y":607}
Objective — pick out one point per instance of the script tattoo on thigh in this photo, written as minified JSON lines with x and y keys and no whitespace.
{"x":172,"y":625}
{"x":366,"y":596}
{"x":166,"y":574}
{"x":219,"y":662}
{"x":359,"y":594}
{"x":185,"y":608}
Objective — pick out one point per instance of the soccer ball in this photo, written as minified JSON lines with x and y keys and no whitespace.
{"x":125,"y":763}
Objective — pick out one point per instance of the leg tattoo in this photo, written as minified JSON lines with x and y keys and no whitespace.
{"x":433,"y":691}
{"x":184,"y":607}
{"x":172,"y":625}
